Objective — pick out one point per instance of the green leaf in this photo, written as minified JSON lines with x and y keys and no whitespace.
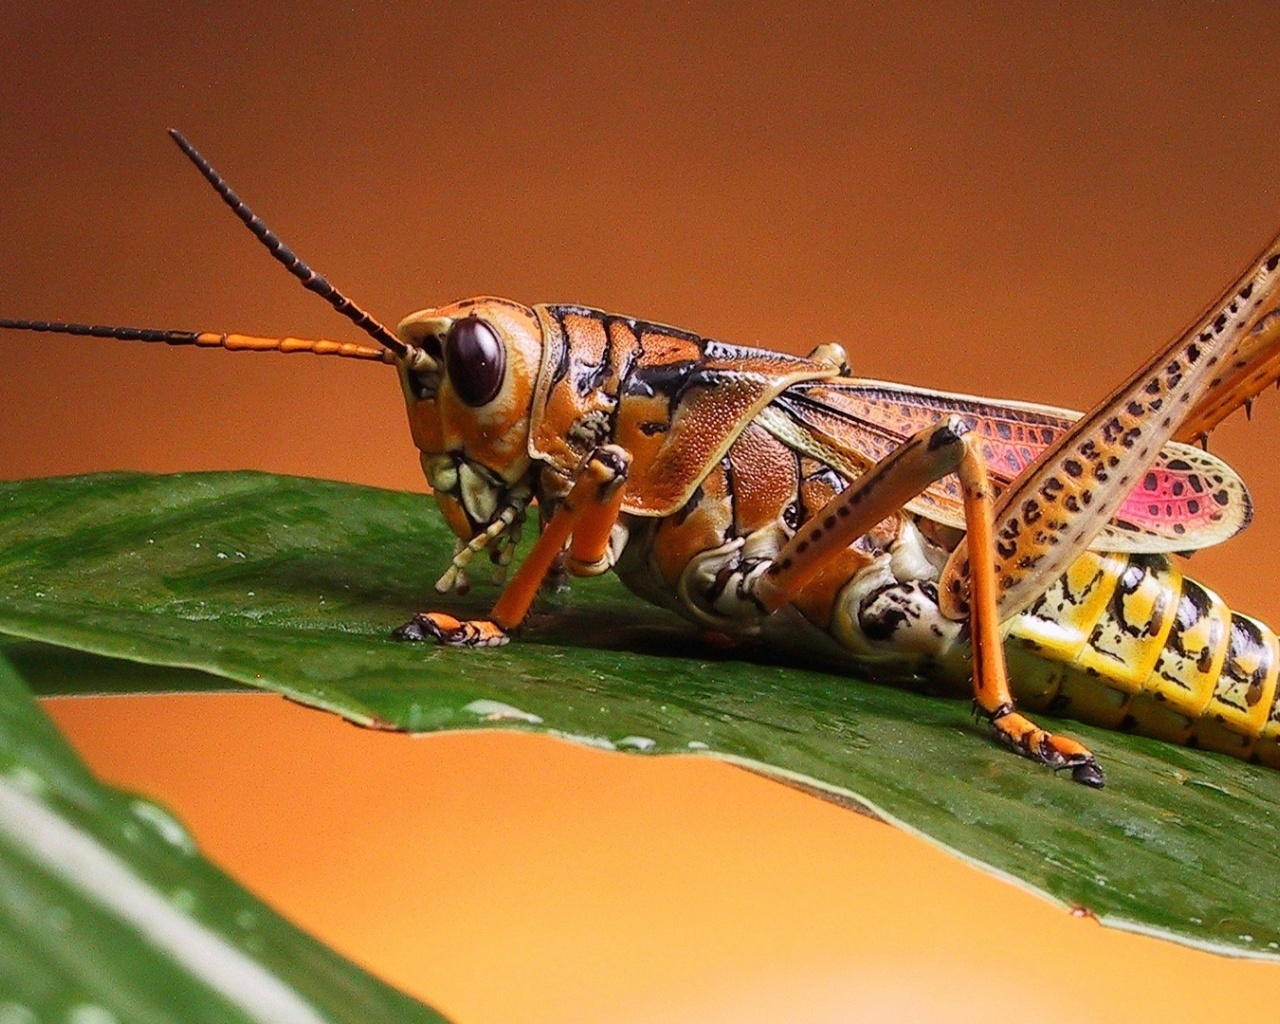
{"x":108,"y":912}
{"x":294,"y":585}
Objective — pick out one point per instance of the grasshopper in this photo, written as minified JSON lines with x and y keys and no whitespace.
{"x":929,"y":533}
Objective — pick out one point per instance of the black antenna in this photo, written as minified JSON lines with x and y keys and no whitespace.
{"x":309,"y":278}
{"x":204,"y":339}
{"x":102,"y":331}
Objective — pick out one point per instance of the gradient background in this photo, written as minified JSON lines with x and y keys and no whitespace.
{"x":1022,"y":200}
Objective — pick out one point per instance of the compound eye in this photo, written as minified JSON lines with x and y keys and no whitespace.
{"x":475,"y":361}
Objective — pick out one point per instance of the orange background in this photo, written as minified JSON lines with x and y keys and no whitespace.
{"x":1021,"y":201}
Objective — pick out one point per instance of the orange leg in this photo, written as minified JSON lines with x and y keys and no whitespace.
{"x":583,"y":521}
{"x":1052,"y":512}
{"x":991,"y":691}
{"x":879,"y":493}
{"x":882,"y":491}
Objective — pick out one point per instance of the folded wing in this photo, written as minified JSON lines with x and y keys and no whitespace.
{"x":1188,"y":499}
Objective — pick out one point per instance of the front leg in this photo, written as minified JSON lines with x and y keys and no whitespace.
{"x":583,"y":520}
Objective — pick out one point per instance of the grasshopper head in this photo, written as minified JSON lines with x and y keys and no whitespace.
{"x":468,"y":381}
{"x":468,"y":371}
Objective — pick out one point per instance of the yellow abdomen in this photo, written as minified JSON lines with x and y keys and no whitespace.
{"x":1127,"y":642}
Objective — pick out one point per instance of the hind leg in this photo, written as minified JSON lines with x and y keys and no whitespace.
{"x":882,"y":491}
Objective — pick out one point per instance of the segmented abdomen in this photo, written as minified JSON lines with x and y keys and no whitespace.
{"x":1128,"y":642}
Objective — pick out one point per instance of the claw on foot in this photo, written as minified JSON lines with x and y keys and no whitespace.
{"x":445,"y":629}
{"x":1089,"y":773}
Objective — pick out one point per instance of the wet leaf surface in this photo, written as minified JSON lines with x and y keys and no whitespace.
{"x":294,"y":585}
